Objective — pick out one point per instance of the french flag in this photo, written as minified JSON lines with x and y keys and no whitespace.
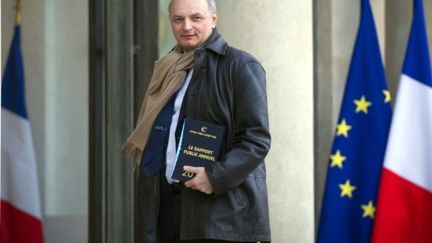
{"x":20,"y":209}
{"x":404,"y":212}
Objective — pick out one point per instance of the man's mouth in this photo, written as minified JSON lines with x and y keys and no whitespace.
{"x":188,"y":36}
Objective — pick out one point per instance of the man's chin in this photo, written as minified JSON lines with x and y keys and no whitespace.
{"x":188,"y":47}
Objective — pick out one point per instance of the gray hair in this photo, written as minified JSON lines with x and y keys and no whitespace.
{"x":211,"y":5}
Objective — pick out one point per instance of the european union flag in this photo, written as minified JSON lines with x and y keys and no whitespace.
{"x":357,"y":154}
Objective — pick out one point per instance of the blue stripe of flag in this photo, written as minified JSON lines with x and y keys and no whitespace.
{"x":13,"y":86}
{"x":417,"y":64}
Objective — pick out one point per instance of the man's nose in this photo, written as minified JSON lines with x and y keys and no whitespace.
{"x":187,"y":24}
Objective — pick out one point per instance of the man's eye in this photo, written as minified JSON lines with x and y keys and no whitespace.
{"x":197,"y":18}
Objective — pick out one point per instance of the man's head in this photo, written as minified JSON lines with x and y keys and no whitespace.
{"x":192,"y":21}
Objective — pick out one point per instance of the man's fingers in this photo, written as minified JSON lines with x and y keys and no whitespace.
{"x":194,"y":182}
{"x":200,"y":182}
{"x":190,"y":183}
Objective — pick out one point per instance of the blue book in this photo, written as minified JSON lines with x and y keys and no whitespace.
{"x":199,"y":145}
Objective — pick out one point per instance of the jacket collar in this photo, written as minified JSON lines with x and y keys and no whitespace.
{"x":216,"y":43}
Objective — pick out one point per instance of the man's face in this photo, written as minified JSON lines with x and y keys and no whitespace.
{"x":191,"y":22}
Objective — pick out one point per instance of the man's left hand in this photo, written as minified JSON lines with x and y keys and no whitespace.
{"x":200,"y":182}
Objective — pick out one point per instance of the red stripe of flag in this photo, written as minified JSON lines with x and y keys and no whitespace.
{"x":17,"y":226}
{"x":404,"y":211}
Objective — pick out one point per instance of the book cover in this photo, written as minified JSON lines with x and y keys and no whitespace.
{"x":200,"y":144}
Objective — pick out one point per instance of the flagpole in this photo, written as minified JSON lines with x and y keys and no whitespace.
{"x":18,"y":17}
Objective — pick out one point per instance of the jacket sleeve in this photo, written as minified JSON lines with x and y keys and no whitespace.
{"x":251,"y":141}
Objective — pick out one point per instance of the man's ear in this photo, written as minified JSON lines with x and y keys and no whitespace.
{"x":214,"y":20}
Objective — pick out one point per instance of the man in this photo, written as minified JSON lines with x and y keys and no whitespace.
{"x":203,"y":78}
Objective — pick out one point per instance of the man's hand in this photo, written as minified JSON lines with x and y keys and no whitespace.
{"x":200,"y":182}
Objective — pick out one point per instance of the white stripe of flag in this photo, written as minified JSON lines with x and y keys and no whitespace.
{"x":18,"y":167}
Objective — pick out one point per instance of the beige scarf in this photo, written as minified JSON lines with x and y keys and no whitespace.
{"x":169,"y":74}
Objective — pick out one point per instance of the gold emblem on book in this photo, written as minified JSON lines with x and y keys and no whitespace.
{"x":204,"y":129}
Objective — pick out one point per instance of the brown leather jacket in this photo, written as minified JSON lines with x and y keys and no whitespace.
{"x":227,"y":88}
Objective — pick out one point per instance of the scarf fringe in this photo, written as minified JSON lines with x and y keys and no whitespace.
{"x":133,"y":153}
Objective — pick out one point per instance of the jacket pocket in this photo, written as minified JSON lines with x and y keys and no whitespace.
{"x":238,"y":197}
